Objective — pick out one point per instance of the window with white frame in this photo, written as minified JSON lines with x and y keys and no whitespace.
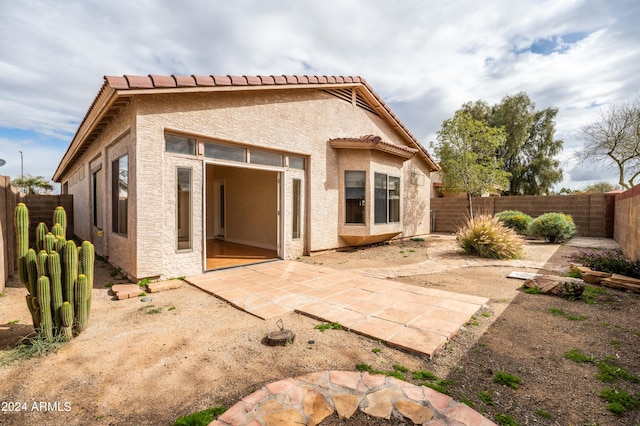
{"x":120,"y":194}
{"x":183,"y":207}
{"x":387,"y":198}
{"x":354,"y":188}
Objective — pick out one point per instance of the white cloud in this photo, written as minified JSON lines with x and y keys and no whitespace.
{"x":424,"y":58}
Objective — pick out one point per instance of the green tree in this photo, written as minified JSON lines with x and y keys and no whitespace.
{"x":600,"y":187}
{"x":466,"y":150}
{"x":530,"y":145}
{"x":615,"y":137}
{"x":33,"y":184}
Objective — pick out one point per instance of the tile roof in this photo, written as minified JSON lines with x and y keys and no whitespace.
{"x":373,"y":142}
{"x":124,"y":83}
{"x":128,"y":82}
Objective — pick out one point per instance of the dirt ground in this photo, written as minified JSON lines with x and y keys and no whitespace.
{"x":151,"y":362}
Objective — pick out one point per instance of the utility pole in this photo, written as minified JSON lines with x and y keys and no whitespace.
{"x":21,"y":166}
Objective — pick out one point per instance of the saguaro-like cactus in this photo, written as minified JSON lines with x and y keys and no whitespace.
{"x":55,"y":273}
{"x":41,"y":231}
{"x":59,"y":276}
{"x":21,"y":221}
{"x":60,"y":218}
{"x":83,"y":297}
{"x":66,"y":317}
{"x":44,"y":306}
{"x":70,"y":273}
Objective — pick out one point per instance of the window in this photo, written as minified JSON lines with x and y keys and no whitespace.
{"x":387,"y":198}
{"x":354,"y":188}
{"x":119,"y":194}
{"x":183,"y":205}
{"x":380,"y":192}
{"x":297,"y":212}
{"x":265,"y":157}
{"x":394,"y":199}
{"x":180,"y":144}
{"x":296,"y":162}
{"x":98,"y":204}
{"x":225,"y":152}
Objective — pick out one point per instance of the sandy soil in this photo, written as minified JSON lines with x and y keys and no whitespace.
{"x":149,"y":363}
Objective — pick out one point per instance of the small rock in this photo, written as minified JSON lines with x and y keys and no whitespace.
{"x":146,"y":299}
{"x":311,"y":342}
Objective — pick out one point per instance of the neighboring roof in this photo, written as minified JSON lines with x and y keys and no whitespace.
{"x":373,"y":142}
{"x":115,"y":93}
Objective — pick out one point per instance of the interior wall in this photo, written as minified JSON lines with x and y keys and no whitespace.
{"x":251,"y":205}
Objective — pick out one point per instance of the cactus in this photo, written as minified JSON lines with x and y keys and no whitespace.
{"x":55,"y":273}
{"x":59,"y":298}
{"x":41,"y":231}
{"x":41,"y":263}
{"x":70,"y":273}
{"x":87,"y":261}
{"x":83,"y":299}
{"x":60,"y":218}
{"x":32,"y":271}
{"x":49,"y":242}
{"x":21,"y":221}
{"x":66,"y":318}
{"x":60,"y":243}
{"x":58,"y":231}
{"x":33,"y":311}
{"x":44,"y":305}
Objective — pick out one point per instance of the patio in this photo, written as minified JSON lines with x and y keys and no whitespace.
{"x":414,"y":318}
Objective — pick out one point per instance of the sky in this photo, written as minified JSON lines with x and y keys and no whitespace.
{"x":424,"y":58}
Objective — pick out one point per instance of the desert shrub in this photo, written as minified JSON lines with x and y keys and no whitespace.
{"x":554,"y":227}
{"x":485,"y":236}
{"x":515,"y":220}
{"x":612,"y":261}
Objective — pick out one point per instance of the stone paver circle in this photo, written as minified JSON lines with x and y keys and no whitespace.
{"x":309,"y":399}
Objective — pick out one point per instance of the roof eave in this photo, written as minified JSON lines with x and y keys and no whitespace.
{"x":101,"y":104}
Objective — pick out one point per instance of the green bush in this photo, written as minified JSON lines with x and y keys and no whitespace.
{"x":515,"y":220}
{"x":485,"y":236}
{"x":554,"y":227}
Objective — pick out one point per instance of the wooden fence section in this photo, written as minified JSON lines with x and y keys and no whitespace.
{"x":627,"y":222}
{"x":589,"y":211}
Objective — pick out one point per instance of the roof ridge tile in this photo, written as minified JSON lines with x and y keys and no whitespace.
{"x":139,"y":81}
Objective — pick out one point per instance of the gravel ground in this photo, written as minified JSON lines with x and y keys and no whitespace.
{"x":148,"y":363}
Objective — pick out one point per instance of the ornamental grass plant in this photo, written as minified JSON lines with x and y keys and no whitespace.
{"x":485,"y":236}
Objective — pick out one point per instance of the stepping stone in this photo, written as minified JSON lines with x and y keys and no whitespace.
{"x":163,"y":285}
{"x":126,"y":291}
{"x":523,"y":275}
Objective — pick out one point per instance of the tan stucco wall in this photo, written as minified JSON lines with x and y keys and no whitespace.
{"x":116,"y":139}
{"x":171,"y":262}
{"x":300,"y":122}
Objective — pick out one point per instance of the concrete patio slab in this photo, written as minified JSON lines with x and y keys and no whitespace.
{"x":414,"y":318}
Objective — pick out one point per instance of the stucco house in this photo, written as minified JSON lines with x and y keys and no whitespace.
{"x":170,"y":173}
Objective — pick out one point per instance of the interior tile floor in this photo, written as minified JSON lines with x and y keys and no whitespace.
{"x":414,"y":318}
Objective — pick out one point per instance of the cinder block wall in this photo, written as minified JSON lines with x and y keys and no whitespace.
{"x":9,"y":196}
{"x":41,"y":209}
{"x":627,"y":222}
{"x":588,"y":210}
